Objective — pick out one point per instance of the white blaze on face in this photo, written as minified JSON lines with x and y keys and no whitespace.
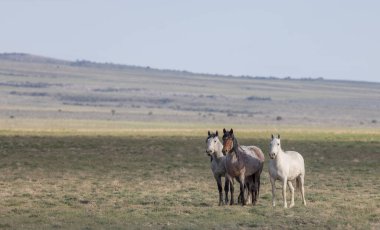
{"x":211,"y":145}
{"x":274,"y":148}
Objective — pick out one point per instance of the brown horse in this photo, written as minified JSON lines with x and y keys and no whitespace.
{"x":243,"y":163}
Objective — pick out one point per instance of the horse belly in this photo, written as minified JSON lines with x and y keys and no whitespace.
{"x":218,"y":169}
{"x":252,"y":166}
{"x":296,"y":166}
{"x":294,"y":173}
{"x":220,"y":172}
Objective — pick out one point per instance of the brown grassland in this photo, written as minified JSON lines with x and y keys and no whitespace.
{"x":163,"y":181}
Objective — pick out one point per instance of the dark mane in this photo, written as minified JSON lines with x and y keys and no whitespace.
{"x":236,"y":144}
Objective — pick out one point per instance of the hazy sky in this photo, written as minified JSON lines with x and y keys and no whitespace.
{"x":310,"y":38}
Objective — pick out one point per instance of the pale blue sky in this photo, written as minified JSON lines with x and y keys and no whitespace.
{"x":324,"y":38}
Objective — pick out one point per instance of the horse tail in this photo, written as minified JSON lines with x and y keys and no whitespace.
{"x":258,"y":186}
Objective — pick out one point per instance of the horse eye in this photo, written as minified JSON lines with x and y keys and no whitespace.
{"x":278,"y":143}
{"x":215,"y":141}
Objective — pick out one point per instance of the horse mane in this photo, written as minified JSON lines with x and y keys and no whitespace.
{"x":237,"y":148}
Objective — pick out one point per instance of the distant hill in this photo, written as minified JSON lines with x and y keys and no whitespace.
{"x":39,"y":87}
{"x":23,"y":57}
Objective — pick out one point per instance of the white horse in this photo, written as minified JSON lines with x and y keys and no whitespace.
{"x":214,"y":150}
{"x":285,"y":166}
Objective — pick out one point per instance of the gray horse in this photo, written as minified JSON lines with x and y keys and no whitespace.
{"x":218,"y":161}
{"x":242,"y":163}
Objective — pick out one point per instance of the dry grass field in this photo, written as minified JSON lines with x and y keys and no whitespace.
{"x":164,"y":182}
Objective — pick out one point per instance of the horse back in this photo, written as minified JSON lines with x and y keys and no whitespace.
{"x":253,"y":158}
{"x":255,"y":152}
{"x":295,"y":157}
{"x":296,"y":161}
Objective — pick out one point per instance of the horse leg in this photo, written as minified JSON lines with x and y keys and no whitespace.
{"x":242,"y":182}
{"x":251,"y":190}
{"x":284,"y":192}
{"x":232,"y":193}
{"x":226,"y":187}
{"x":292,"y":192}
{"x":273,"y":182}
{"x":248,"y":187}
{"x":250,"y":184}
{"x":231,"y":180}
{"x":219,"y":182}
{"x":301,"y":178}
{"x":239,"y":199}
{"x":247,"y":190}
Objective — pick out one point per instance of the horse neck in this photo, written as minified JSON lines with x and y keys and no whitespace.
{"x":219,"y":147}
{"x":280,"y":155}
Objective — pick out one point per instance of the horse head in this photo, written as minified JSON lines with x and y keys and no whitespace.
{"x":211,"y":142}
{"x":228,"y":141}
{"x":275,"y":146}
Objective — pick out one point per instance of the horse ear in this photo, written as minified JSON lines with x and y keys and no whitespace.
{"x":224,"y":130}
{"x":231,"y":131}
{"x":216,"y":133}
{"x":272,"y":136}
{"x":278,"y":136}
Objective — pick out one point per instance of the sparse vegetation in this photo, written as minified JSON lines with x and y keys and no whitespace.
{"x":29,"y":94}
{"x":256,"y":98}
{"x":129,"y":182}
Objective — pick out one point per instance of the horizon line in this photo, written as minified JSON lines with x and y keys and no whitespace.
{"x":189,"y":72}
